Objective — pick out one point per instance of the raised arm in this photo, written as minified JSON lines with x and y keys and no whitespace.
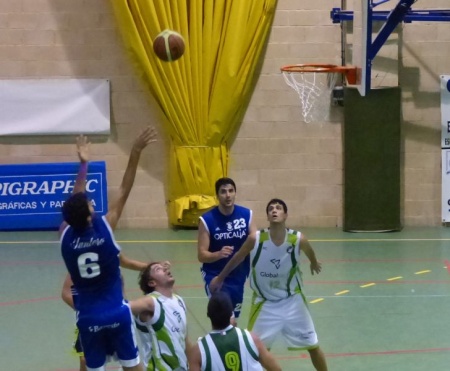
{"x":115,"y":210}
{"x":266,"y":359}
{"x":83,"y":154}
{"x":80,"y":182}
{"x":237,"y":259}
{"x":135,"y":265}
{"x":315,"y":266}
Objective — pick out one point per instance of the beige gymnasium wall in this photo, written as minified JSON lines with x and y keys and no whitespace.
{"x":275,"y":154}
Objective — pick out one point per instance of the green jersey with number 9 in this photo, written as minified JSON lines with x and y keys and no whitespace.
{"x":231,"y":349}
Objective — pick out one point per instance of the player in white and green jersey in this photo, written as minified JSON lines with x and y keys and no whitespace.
{"x":275,"y":272}
{"x":163,"y":314}
{"x":227,"y":347}
{"x":278,"y":304}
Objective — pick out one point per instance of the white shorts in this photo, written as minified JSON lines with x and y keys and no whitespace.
{"x":289,"y":317}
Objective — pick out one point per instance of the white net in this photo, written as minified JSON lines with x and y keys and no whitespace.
{"x":314,"y":90}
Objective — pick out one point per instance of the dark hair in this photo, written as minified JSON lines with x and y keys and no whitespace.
{"x":224,"y":181}
{"x":274,"y":201}
{"x":146,"y":276}
{"x":76,"y":210}
{"x":220,"y":310}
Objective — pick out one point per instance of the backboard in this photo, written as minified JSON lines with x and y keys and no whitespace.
{"x":362,"y":40}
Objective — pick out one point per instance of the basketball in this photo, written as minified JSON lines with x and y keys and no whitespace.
{"x":168,"y":46}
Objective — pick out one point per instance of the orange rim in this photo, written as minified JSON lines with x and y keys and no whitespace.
{"x":348,"y":71}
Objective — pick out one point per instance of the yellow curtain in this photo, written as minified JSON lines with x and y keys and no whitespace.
{"x":204,"y":94}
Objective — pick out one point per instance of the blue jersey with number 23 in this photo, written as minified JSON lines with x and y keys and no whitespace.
{"x":227,"y":230}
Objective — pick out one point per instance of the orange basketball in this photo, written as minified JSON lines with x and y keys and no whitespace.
{"x":168,"y":45}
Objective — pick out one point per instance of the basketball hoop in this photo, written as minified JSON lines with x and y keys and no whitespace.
{"x":314,"y":84}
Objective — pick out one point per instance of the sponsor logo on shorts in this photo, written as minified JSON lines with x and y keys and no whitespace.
{"x":100,"y":328}
{"x":306,"y":335}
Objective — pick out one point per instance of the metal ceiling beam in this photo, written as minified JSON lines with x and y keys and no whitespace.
{"x":338,"y":15}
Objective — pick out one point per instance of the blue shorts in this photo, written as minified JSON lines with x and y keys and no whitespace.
{"x":106,"y":333}
{"x":236,"y":293}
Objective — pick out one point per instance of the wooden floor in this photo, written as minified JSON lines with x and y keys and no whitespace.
{"x":382,"y":301}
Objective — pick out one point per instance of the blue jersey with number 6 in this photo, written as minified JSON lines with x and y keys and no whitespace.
{"x":103,"y":317}
{"x":92,"y":259}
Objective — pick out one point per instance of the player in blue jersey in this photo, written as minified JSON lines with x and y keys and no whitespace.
{"x":142,"y":140}
{"x":221,"y":233}
{"x":92,"y":258}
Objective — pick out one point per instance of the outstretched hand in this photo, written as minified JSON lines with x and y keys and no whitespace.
{"x":145,"y":137}
{"x":83,"y":148}
{"x":315,"y":268}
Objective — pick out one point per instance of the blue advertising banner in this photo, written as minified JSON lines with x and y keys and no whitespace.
{"x":31,"y":195}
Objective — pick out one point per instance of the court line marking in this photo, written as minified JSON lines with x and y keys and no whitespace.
{"x":359,"y":354}
{"x":27,"y":301}
{"x":423,"y":272}
{"x":330,"y":355}
{"x":342,"y":292}
{"x":447,"y":265}
{"x":317,"y":300}
{"x":324,"y":261}
{"x":323,"y":297}
{"x":199,"y":286}
{"x":312,"y":301}
{"x":356,"y":282}
{"x":348,"y":296}
{"x":394,"y":278}
{"x":380,"y":240}
{"x":368,"y":285}
{"x":386,"y":296}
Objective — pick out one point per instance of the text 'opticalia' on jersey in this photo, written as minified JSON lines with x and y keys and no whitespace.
{"x":235,"y":229}
{"x":227,"y":230}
